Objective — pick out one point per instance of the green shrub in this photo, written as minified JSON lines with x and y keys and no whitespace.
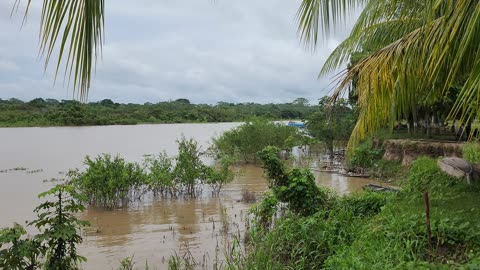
{"x":265,"y":209}
{"x":296,"y":187}
{"x":219,"y":175}
{"x":471,"y":152}
{"x":364,"y":204}
{"x":246,"y":140}
{"x":189,"y":167}
{"x":110,"y":182}
{"x":296,"y":243}
{"x":307,"y":242}
{"x":160,"y":177}
{"x":364,"y":156}
{"x":55,"y":245}
{"x":302,"y":194}
{"x":17,"y":251}
{"x":113,"y":182}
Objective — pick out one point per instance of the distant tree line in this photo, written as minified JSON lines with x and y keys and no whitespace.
{"x":52,"y":112}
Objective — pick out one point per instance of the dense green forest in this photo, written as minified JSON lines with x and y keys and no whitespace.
{"x":51,"y":112}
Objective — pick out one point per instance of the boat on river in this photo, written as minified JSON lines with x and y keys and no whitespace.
{"x":296,"y":124}
{"x":377,"y":188}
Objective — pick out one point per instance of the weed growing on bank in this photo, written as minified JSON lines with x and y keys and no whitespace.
{"x":471,"y":152}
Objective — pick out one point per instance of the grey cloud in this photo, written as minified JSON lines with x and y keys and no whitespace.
{"x":204,"y":50}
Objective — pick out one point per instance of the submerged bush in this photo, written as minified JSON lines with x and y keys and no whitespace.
{"x":219,"y":175}
{"x":110,"y":182}
{"x":246,"y":140}
{"x":160,"y":176}
{"x":189,"y":167}
{"x":265,"y":209}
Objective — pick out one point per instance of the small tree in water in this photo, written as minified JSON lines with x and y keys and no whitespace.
{"x":218,"y":177}
{"x":189,"y":166}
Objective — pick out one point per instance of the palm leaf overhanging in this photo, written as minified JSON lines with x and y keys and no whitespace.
{"x":75,"y":28}
{"x":417,"y":51}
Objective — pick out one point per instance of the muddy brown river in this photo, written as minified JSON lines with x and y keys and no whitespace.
{"x":151,"y":230}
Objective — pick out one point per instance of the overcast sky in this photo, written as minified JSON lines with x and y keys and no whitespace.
{"x":157,"y":50}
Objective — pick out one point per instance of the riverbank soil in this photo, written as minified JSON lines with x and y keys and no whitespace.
{"x":405,"y":151}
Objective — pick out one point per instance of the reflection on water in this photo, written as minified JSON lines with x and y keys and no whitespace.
{"x":341,"y":183}
{"x":152,"y":229}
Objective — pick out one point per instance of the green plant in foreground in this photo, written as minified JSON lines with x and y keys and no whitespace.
{"x":54,"y":247}
{"x":21,"y":252}
{"x":127,"y":263}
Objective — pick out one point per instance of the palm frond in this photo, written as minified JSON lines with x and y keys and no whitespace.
{"x":436,"y":48}
{"x":315,"y":15}
{"x":75,"y":27}
{"x":379,"y":24}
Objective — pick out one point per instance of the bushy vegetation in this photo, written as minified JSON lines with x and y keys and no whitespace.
{"x":54,"y":247}
{"x":160,"y":175}
{"x":51,"y":112}
{"x":296,"y":187}
{"x":397,"y":237}
{"x":246,"y":140}
{"x":367,"y":159}
{"x":111,"y":182}
{"x":364,"y":156}
{"x":374,"y":230}
{"x":332,"y":123}
{"x":315,"y":228}
{"x":188,"y":166}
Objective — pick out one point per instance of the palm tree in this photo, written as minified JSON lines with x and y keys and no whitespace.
{"x":75,"y":29}
{"x":417,"y":50}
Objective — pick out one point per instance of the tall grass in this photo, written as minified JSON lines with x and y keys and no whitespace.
{"x":471,"y":152}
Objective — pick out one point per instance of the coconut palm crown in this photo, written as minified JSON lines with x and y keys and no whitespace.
{"x":417,"y":51}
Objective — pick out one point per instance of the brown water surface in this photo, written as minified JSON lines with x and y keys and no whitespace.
{"x":152,"y":229}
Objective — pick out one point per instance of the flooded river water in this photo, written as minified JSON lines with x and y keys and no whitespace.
{"x":150,"y":230}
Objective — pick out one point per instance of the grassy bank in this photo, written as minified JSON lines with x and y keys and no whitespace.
{"x":377,"y":231}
